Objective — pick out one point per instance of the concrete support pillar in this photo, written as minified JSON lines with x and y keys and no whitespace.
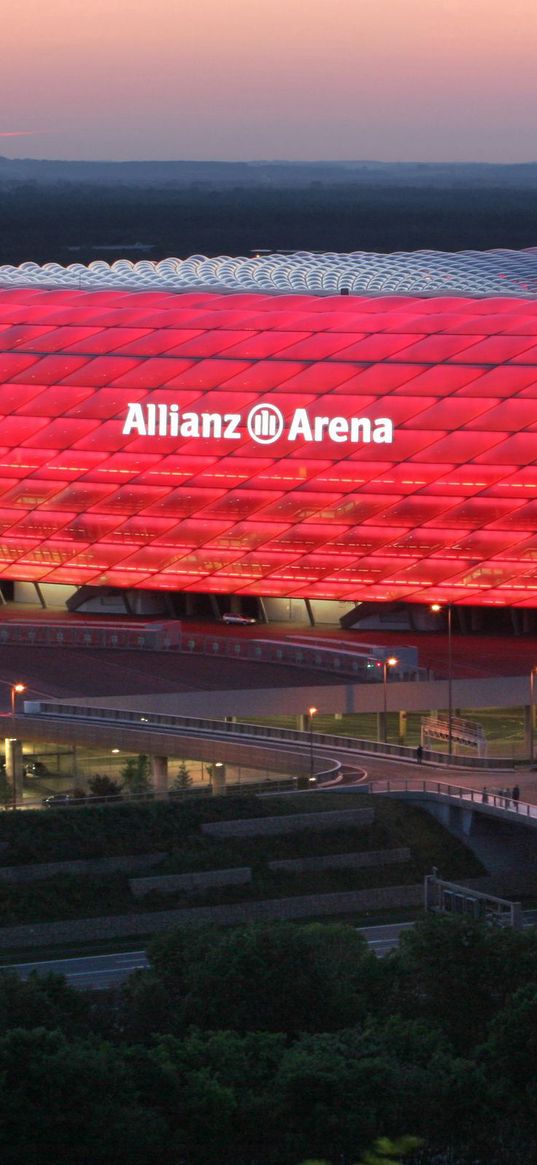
{"x":159,"y":775}
{"x":40,"y":596}
{"x":402,"y":727}
{"x":529,"y":727}
{"x":14,"y":768}
{"x":218,"y":779}
{"x":215,"y":609}
{"x":517,"y":918}
{"x":443,"y":814}
{"x":467,"y":821}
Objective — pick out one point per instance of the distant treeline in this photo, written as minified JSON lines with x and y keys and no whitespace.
{"x":71,"y":223}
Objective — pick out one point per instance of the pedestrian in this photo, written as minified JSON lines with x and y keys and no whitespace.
{"x":485,"y":796}
{"x":515,"y":795}
{"x":419,"y":754}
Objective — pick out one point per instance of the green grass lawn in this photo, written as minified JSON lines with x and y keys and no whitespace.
{"x":502,"y":725}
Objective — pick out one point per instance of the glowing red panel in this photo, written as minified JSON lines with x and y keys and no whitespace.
{"x":496,"y":349}
{"x":48,"y":369}
{"x":206,"y":442}
{"x":377,"y":347}
{"x":107,"y":340}
{"x":74,"y":339}
{"x":17,"y":337}
{"x":211,"y":343}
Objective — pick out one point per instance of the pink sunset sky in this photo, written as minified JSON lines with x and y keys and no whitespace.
{"x":395,"y":80}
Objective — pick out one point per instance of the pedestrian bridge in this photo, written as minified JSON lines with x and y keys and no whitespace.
{"x":454,"y":805}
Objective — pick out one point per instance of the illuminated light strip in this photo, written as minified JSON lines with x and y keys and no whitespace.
{"x":427,"y":273}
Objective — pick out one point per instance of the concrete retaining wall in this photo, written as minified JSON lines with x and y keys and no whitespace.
{"x":295,"y":822}
{"x":133,"y":925}
{"x":85,"y":867}
{"x":190,"y":883}
{"x":353,"y":861}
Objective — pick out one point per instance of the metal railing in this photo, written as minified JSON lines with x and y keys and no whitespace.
{"x":272,"y":785}
{"x":158,"y":722}
{"x":483,"y":800}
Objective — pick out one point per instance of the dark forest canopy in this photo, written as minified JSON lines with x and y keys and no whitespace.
{"x":82,"y":220}
{"x":276,"y":1043}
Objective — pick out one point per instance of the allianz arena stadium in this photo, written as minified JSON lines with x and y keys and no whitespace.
{"x":358,"y":428}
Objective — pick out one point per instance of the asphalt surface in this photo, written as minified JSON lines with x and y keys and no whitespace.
{"x":382,"y":768}
{"x":89,"y":971}
{"x":69,"y":672}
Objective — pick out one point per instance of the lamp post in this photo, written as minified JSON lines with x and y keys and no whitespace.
{"x":436,"y":607}
{"x":532,"y":706}
{"x":16,"y":690}
{"x":311,"y":713}
{"x":386,"y":663}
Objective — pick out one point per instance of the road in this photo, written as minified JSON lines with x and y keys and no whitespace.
{"x":383,"y":939}
{"x":89,"y":971}
{"x":96,"y":972}
{"x":378,"y":768}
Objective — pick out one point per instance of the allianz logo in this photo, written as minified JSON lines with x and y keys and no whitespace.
{"x":264,"y":423}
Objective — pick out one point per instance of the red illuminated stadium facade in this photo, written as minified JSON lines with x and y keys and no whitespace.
{"x":365,"y":448}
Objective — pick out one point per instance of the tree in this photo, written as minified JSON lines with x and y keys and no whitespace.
{"x":510,"y":1051}
{"x":384,"y":1152}
{"x":224,"y":1084}
{"x":268,"y":976}
{"x":458,"y":973}
{"x":83,"y":1101}
{"x":44,"y":1001}
{"x":183,"y":778}
{"x":135,"y":774}
{"x":102,"y":786}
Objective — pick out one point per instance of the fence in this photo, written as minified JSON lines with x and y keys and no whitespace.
{"x":273,"y":785}
{"x":469,"y":733}
{"x":481,"y":799}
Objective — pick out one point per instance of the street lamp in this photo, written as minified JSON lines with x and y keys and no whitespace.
{"x":16,"y":690}
{"x":436,"y":607}
{"x":386,"y":663}
{"x":311,"y":713}
{"x":532,"y":706}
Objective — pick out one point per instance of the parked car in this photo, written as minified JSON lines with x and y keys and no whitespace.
{"x":35,"y":768}
{"x":75,"y":797}
{"x":238,"y":620}
{"x":57,"y":799}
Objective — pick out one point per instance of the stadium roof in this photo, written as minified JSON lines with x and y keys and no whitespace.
{"x":476,"y":274}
